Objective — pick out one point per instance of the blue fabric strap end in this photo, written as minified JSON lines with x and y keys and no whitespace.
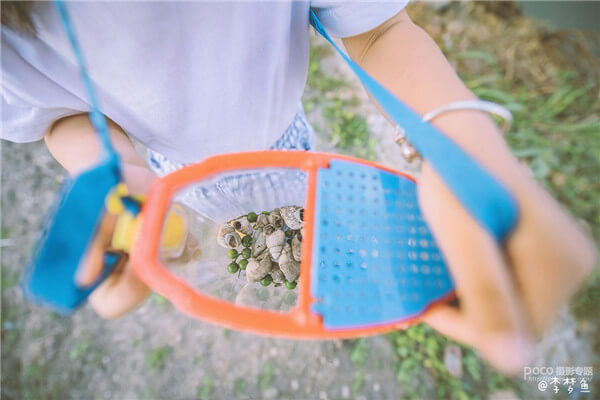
{"x":483,"y":196}
{"x":51,"y":277}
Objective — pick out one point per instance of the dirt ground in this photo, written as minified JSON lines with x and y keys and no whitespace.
{"x":156,"y":352}
{"x":48,"y":356}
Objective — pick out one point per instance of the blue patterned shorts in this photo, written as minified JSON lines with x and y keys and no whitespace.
{"x":299,"y":135}
{"x":232,"y":194}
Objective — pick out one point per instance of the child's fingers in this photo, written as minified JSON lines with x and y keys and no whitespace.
{"x":450,"y":321}
{"x":92,"y":264}
{"x":490,"y":303}
{"x":122,"y":290}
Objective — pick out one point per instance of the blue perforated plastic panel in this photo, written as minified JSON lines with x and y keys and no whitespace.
{"x":374,"y":259}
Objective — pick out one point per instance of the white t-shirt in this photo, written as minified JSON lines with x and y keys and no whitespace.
{"x":187,"y":79}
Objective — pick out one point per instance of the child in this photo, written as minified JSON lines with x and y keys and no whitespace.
{"x":193,"y":79}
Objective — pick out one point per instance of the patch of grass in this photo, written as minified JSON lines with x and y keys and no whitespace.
{"x":35,"y":385}
{"x":317,"y":79}
{"x":239,"y":386}
{"x":359,"y":355}
{"x":205,"y":389}
{"x":266,"y":376}
{"x":11,"y":334}
{"x":345,"y":129}
{"x":9,"y":313}
{"x":33,"y":376}
{"x":348,"y":131}
{"x":159,"y":301}
{"x":9,"y":278}
{"x":157,"y":357}
{"x":4,"y":232}
{"x":360,"y":352}
{"x":589,"y":297}
{"x":79,"y":350}
{"x":421,"y":353}
{"x":226,"y":333}
{"x":358,"y":382}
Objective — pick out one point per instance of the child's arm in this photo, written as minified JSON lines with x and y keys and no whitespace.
{"x":75,"y":145}
{"x":508,"y":295}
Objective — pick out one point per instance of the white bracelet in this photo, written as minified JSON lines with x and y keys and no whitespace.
{"x":408,"y":151}
{"x":476,"y":105}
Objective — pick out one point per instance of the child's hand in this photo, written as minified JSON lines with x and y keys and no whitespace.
{"x":507,"y":295}
{"x":122,"y":290}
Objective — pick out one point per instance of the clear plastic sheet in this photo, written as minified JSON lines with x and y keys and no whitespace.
{"x":207,"y":204}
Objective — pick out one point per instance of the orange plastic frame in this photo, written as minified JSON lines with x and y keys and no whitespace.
{"x":300,"y":322}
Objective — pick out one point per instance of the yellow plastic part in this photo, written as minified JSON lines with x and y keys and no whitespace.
{"x":125,"y":230}
{"x":113,"y":200}
{"x":174,"y":230}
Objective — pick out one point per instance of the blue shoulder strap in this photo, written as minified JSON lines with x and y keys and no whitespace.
{"x":96,"y":117}
{"x":78,"y":210}
{"x":482,"y":195}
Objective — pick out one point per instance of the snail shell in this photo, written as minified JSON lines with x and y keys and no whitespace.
{"x":275,"y":239}
{"x":292,"y":216}
{"x":261,"y":221}
{"x":296,"y":247}
{"x":258,"y":268}
{"x":242,"y":225}
{"x":277,"y":275}
{"x":268,"y":229}
{"x":275,"y":218}
{"x":259,"y":243}
{"x":227,"y":237}
{"x":287,"y":264}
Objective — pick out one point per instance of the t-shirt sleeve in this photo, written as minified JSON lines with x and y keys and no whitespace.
{"x":22,"y":123}
{"x":350,"y":18}
{"x":31,"y":101}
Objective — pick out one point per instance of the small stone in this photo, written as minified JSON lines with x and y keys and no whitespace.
{"x":503,"y":395}
{"x":345,"y":392}
{"x":376,"y":387}
{"x":294,"y":384}
{"x":453,"y":360}
{"x":270,"y":393}
{"x":323,"y":396}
